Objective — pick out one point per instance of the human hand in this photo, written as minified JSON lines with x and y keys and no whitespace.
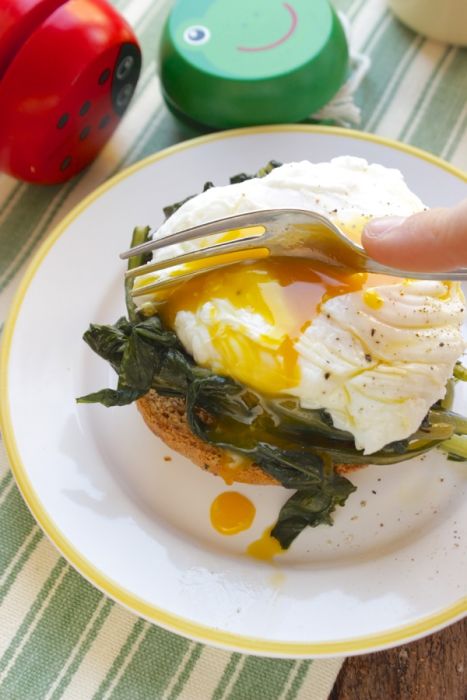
{"x":433,"y":240}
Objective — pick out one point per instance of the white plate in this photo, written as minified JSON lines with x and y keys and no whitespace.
{"x":392,"y":568}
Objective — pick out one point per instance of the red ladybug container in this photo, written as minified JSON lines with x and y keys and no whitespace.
{"x":68,"y":70}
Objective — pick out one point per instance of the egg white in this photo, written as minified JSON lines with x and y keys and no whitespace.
{"x":377,"y":371}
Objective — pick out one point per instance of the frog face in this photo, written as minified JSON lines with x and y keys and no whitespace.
{"x":250,"y":39}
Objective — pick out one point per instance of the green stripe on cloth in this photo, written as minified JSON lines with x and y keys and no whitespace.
{"x":139,"y":628}
{"x":456,"y":136}
{"x":59,"y":637}
{"x":258,"y":673}
{"x":46,"y":647}
{"x":297,"y":680}
{"x":6,"y":203}
{"x":386,"y":54}
{"x":5,"y":481}
{"x":14,"y":519}
{"x":157,"y":659}
{"x":28,"y":623}
{"x":445,"y":104}
{"x":81,"y":650}
{"x":437,"y":70}
{"x":185,"y":672}
{"x":399,"y":69}
{"x":231,"y":668}
{"x":18,"y":561}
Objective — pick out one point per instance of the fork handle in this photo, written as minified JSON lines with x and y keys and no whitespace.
{"x":453,"y":275}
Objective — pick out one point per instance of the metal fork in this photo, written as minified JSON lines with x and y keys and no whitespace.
{"x":283,"y":232}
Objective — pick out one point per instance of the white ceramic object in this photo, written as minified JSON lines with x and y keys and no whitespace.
{"x":391,"y":569}
{"x":444,"y":20}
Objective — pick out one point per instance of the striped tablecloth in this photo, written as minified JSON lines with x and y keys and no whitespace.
{"x":59,"y":637}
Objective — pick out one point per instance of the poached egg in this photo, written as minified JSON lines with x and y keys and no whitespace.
{"x":374,"y":352}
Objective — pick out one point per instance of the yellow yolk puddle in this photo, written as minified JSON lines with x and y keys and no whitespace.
{"x":265,"y":548}
{"x":231,"y":512}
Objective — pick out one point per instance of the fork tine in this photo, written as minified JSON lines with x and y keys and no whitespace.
{"x":229,"y":223}
{"x":208,"y":254}
{"x":163,"y":284}
{"x":177,"y":279}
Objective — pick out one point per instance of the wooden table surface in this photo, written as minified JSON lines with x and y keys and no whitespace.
{"x":433,"y":668}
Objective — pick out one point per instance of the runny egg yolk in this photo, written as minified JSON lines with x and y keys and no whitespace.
{"x":285,"y":292}
{"x":231,"y":512}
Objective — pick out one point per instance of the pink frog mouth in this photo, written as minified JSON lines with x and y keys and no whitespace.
{"x":278,"y":42}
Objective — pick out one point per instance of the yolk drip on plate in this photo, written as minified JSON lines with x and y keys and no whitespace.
{"x":231,"y":512}
{"x":265,"y":548}
{"x":284,"y":294}
{"x":232,"y":466}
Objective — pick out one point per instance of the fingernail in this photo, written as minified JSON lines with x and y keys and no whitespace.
{"x":378,"y":228}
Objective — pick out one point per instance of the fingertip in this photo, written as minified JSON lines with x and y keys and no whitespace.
{"x":380,"y":228}
{"x":428,"y":240}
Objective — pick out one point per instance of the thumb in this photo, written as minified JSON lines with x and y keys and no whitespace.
{"x":434,"y":240}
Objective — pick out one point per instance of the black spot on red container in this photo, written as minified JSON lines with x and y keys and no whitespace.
{"x":105,"y":121}
{"x":85,"y":107}
{"x":66,"y":162}
{"x":104,"y":76}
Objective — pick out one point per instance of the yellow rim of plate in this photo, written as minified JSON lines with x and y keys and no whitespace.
{"x":88,"y":570}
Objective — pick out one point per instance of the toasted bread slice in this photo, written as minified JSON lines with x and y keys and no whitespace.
{"x":166,"y":417}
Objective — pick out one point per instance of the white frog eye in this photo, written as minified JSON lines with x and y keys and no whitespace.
{"x":197,"y":35}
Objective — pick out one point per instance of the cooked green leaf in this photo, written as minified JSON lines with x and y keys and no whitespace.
{"x":311,"y":507}
{"x":460,"y":372}
{"x":456,"y":448}
{"x":138,"y":363}
{"x":112,"y":397}
{"x":109,"y":341}
{"x":140,"y":235}
{"x":241,"y":177}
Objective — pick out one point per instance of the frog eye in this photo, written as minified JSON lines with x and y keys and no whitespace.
{"x":197,"y":35}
